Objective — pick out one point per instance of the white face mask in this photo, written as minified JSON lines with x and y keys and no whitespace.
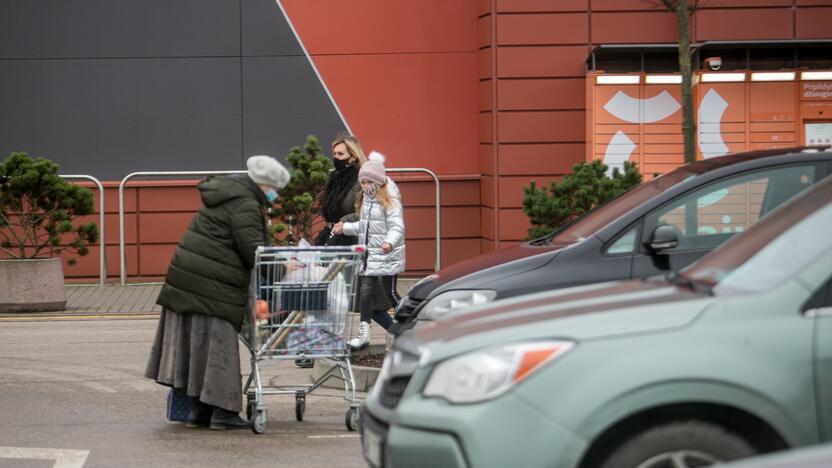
{"x":271,"y":195}
{"x":371,"y":190}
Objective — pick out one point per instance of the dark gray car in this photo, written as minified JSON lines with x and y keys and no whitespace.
{"x":662,"y":225}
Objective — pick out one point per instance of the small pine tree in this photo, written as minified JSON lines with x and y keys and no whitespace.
{"x":298,"y":207}
{"x":37,"y":209}
{"x":582,"y":190}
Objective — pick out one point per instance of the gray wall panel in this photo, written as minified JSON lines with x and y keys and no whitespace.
{"x":265,"y":30}
{"x":111,"y":117}
{"x":109,"y":87}
{"x":118,"y":28}
{"x":283,"y":101}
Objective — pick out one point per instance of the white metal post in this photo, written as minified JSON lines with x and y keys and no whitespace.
{"x":102,"y":263}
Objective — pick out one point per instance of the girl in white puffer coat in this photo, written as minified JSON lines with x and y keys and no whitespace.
{"x":380,"y":228}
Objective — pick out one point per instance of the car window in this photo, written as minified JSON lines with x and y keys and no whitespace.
{"x":793,"y":240}
{"x":625,"y":243}
{"x":611,"y":210}
{"x":783,"y":257}
{"x":709,"y":216}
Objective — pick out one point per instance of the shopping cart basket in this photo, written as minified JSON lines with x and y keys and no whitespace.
{"x":300,"y":298}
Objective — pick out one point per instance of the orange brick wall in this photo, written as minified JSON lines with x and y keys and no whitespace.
{"x":165,"y":209}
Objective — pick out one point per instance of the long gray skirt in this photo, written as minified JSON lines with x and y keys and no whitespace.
{"x":199,"y":355}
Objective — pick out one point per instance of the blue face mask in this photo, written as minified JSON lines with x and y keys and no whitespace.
{"x":271,"y":195}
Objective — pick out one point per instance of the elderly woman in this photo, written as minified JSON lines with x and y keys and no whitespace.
{"x":205,"y":293}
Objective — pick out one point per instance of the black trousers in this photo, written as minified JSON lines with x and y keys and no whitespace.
{"x":370,"y":289}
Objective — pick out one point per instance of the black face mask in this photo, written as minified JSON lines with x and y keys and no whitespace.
{"x":340,"y":164}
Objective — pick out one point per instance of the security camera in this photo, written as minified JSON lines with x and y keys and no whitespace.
{"x":714,"y":63}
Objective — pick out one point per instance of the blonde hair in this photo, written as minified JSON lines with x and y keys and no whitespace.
{"x":383,"y":197}
{"x":353,"y":147}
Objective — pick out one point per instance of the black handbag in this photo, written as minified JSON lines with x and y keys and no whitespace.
{"x":179,"y":405}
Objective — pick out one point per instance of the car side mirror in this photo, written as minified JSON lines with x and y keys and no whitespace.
{"x":664,"y":237}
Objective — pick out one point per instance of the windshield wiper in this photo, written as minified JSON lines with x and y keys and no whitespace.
{"x":677,"y":279}
{"x":541,"y":241}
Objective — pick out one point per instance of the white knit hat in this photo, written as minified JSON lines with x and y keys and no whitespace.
{"x":373,"y":169}
{"x":267,"y":171}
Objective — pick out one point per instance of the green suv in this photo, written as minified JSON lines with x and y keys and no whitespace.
{"x":729,"y":358}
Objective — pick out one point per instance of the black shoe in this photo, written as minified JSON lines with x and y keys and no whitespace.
{"x":305,"y":363}
{"x":224,"y":419}
{"x":200,"y":415}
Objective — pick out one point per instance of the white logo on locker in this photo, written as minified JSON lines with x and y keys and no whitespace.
{"x":711,"y":110}
{"x":658,"y":108}
{"x":634,"y":110}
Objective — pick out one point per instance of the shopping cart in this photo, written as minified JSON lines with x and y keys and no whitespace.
{"x":300,"y":298}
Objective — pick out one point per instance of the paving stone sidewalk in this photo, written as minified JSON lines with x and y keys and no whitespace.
{"x":134,"y":299}
{"x":108,"y":300}
{"x":140,"y":300}
{"x":112,"y":299}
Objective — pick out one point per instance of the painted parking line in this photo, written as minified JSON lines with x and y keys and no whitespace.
{"x":334,"y":436}
{"x":64,"y":458}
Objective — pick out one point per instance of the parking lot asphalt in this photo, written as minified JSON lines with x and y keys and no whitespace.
{"x":72,"y":394}
{"x":73,"y":391}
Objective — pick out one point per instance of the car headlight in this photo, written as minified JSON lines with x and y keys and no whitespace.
{"x":486,"y":374}
{"x":452,"y":301}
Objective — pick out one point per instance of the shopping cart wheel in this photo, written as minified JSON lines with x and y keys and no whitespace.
{"x":258,"y":424}
{"x":300,"y":407}
{"x":353,"y":418}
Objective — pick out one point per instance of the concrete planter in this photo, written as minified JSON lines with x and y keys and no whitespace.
{"x":364,"y":376}
{"x":32,"y":285}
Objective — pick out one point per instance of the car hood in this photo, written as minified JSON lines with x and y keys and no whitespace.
{"x":579,"y":313}
{"x":477,"y":272}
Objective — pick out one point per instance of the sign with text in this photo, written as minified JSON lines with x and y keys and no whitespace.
{"x":816,"y":91}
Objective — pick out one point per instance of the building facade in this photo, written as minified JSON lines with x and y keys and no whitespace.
{"x":488,"y":94}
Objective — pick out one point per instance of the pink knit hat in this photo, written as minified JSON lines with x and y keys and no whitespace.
{"x":373,"y":169}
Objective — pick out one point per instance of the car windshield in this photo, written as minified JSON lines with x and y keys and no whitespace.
{"x":776,"y":248}
{"x":611,"y":210}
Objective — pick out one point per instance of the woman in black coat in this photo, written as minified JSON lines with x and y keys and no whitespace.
{"x":338,"y":202}
{"x":205,"y":294}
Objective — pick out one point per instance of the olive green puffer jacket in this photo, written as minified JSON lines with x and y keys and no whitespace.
{"x":211,"y":268}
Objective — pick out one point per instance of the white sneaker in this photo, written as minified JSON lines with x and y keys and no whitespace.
{"x":363,"y":339}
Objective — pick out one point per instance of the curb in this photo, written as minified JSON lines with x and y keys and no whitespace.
{"x":46,"y":316}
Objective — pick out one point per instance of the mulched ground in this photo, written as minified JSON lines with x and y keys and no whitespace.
{"x":367,"y":360}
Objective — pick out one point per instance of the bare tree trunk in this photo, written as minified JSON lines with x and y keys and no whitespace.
{"x":688,"y":123}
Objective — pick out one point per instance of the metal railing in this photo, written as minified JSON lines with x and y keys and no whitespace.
{"x":122,"y":262}
{"x":102,"y":263}
{"x":437,"y":259}
{"x":121,"y":243}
